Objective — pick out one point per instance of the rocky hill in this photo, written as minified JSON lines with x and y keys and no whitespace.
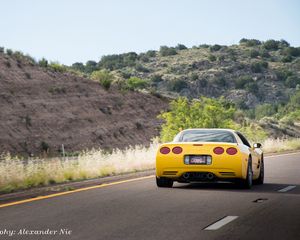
{"x":41,"y":109}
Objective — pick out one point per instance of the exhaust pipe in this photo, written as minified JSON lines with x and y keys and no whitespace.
{"x":210,"y":176}
{"x":186,"y":175}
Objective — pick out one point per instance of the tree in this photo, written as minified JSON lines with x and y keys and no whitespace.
{"x":167,"y":51}
{"x":198,"y":113}
{"x":271,"y":44}
{"x":180,"y":47}
{"x":103,"y":77}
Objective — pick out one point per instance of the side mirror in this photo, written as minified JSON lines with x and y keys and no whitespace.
{"x":257,"y":145}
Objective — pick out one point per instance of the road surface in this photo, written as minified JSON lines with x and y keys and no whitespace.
{"x":138,"y":210}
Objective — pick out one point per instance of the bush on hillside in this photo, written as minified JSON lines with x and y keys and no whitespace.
{"x":265,"y":110}
{"x":271,"y":45}
{"x":43,"y":63}
{"x":250,"y":42}
{"x":177,"y":85}
{"x":134,"y":83}
{"x":282,"y":74}
{"x":57,"y":67}
{"x":253,"y":53}
{"x":103,"y":77}
{"x":117,"y":61}
{"x":242,"y":81}
{"x":212,"y":58}
{"x":78,"y":66}
{"x":215,"y":48}
{"x":180,"y":47}
{"x":258,"y":67}
{"x":151,"y":53}
{"x":91,"y":66}
{"x":167,"y":51}
{"x":292,"y":81}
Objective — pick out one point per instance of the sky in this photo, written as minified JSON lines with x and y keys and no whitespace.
{"x":71,"y":31}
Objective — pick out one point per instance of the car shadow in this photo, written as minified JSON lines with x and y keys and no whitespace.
{"x":227,"y":186}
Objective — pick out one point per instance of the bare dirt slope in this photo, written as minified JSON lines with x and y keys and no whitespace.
{"x":41,"y":108}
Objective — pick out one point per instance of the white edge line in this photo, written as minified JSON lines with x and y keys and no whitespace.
{"x":221,"y":223}
{"x":279,"y":155}
{"x":288,"y":188}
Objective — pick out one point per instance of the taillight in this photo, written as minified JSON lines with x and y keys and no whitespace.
{"x":177,"y":150}
{"x":231,"y":151}
{"x":165,"y":150}
{"x":218,"y":150}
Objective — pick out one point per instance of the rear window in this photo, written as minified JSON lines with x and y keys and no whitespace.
{"x":205,"y":136}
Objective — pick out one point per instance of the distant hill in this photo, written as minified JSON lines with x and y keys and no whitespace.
{"x":248,"y":74}
{"x":41,"y":109}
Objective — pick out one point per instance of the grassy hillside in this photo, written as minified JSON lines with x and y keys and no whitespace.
{"x":247,"y":74}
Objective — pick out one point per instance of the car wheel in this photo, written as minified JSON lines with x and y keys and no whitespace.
{"x":247,"y":183}
{"x":260,"y":179}
{"x":164,"y":182}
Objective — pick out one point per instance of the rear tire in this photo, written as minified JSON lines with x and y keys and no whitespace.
{"x":247,"y":183}
{"x":261,"y":176}
{"x":164,"y":182}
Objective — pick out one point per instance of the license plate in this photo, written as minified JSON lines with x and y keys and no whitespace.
{"x":198,"y":159}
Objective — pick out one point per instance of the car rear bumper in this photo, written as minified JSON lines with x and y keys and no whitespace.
{"x":199,"y":174}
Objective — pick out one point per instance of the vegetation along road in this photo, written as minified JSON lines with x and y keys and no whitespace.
{"x":137,"y":209}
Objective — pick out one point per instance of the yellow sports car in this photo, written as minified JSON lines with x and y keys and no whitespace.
{"x":203,"y":155}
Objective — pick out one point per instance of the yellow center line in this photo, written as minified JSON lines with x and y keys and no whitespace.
{"x":73,"y":191}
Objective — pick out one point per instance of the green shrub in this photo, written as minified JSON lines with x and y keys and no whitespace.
{"x":103,"y":77}
{"x":258,"y":67}
{"x":199,"y":113}
{"x":180,"y":47}
{"x":136,"y":83}
{"x":242,"y":81}
{"x":286,"y":59}
{"x":141,"y":68}
{"x":151,"y":53}
{"x":204,"y":46}
{"x":9,"y":52}
{"x":78,"y":66}
{"x":118,"y":61}
{"x":212,"y":58}
{"x":271,"y":44}
{"x":292,"y":81}
{"x":265,"y":110}
{"x":250,"y":42}
{"x":143,"y":57}
{"x":2,"y":49}
{"x":291,"y":51}
{"x":177,"y":85}
{"x":264,"y":53}
{"x":125,"y":74}
{"x":167,"y":51}
{"x":43,"y":63}
{"x":252,"y":87}
{"x":57,"y":67}
{"x":253,"y":53}
{"x":282,"y":74}
{"x":220,"y":81}
{"x":156,"y":78}
{"x":194,"y":76}
{"x":215,"y":48}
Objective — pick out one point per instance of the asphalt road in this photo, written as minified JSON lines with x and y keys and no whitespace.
{"x":139,"y":210}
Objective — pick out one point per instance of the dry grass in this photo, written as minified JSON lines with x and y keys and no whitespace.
{"x":280,"y":145}
{"x":18,"y":174}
